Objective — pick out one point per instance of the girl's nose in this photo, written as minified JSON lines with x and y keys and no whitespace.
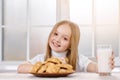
{"x":58,"y":39}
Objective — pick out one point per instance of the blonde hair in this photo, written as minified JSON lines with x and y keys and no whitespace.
{"x":75,"y":36}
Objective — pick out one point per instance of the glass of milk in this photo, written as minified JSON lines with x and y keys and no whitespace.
{"x":104,"y":52}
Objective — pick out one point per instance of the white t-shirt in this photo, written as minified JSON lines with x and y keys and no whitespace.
{"x":81,"y":65}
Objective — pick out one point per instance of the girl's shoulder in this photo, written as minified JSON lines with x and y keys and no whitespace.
{"x":40,"y":57}
{"x":83,"y":58}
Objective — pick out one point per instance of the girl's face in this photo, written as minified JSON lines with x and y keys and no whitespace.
{"x":60,"y":39}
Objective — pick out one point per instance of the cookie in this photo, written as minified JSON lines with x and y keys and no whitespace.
{"x":36,"y":67}
{"x":54,"y":60}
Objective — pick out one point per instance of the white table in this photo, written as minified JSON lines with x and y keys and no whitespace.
{"x":74,"y":76}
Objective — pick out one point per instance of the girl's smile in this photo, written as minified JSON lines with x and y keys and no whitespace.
{"x":55,"y":44}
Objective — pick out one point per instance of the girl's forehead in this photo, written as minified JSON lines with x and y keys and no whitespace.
{"x":64,"y":29}
{"x":64,"y":26}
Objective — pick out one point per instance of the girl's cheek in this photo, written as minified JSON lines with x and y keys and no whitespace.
{"x":53,"y":37}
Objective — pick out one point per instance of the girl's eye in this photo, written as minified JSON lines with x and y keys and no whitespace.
{"x":65,"y":39}
{"x":55,"y":34}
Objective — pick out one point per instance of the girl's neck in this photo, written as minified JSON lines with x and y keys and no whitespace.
{"x":59,"y":54}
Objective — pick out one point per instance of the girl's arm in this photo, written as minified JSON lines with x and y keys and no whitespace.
{"x":24,"y":68}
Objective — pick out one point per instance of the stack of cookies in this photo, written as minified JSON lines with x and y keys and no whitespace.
{"x":52,"y":65}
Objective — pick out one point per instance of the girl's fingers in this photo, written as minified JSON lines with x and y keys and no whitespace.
{"x":112,"y":61}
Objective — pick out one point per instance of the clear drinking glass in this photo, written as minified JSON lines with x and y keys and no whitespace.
{"x":104,"y":51}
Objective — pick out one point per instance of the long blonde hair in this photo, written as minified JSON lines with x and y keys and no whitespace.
{"x":75,"y":36}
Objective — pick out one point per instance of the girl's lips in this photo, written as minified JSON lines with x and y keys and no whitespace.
{"x":55,"y":44}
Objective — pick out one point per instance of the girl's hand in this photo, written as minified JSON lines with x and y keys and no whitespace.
{"x":112,"y":61}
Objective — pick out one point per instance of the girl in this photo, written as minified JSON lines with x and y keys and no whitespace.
{"x":63,"y":43}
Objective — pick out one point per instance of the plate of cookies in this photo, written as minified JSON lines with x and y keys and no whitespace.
{"x":52,"y":67}
{"x":51,"y":74}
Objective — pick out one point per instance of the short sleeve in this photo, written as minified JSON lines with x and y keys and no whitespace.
{"x":40,"y":57}
{"x":83,"y":63}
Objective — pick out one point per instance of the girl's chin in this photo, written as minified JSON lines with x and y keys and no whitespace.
{"x":54,"y":47}
{"x":56,"y":50}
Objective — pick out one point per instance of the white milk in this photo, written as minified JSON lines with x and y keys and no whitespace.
{"x":103,"y":56}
